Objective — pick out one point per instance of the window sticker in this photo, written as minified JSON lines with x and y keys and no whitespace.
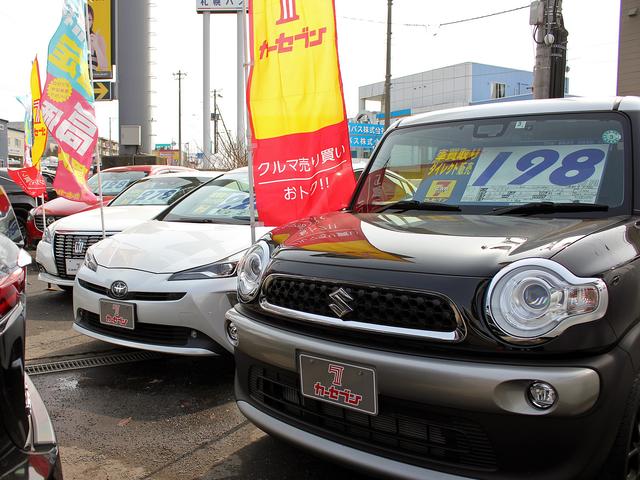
{"x":611,"y":137}
{"x":521,"y":124}
{"x":155,"y":196}
{"x":512,"y":175}
{"x":440,"y":189}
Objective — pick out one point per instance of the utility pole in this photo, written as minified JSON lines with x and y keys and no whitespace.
{"x":216,"y":117}
{"x":551,"y":52}
{"x":387,"y":78}
{"x":179,"y":76}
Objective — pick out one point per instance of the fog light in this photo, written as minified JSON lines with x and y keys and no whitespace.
{"x":232,"y":333}
{"x":194,"y":334}
{"x":542,"y":395}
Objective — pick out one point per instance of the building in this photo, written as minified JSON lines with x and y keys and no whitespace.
{"x":107,"y":147}
{"x":453,"y":86}
{"x":15,"y":144}
{"x":4,"y":143}
{"x":629,"y":48}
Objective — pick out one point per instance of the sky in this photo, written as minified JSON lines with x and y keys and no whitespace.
{"x":418,"y":44}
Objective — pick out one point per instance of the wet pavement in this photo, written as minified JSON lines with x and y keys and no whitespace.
{"x":171,"y":418}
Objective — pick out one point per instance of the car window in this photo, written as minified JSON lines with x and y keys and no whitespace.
{"x":483,"y":164}
{"x":114,"y":182}
{"x":157,"y":190}
{"x":224,"y":200}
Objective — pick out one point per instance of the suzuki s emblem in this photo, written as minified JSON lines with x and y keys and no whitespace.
{"x":119,"y":289}
{"x":78,"y":246}
{"x":341,"y":301}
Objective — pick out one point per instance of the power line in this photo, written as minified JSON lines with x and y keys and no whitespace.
{"x":427,"y":26}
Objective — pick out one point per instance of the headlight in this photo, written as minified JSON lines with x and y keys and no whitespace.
{"x":90,"y":261}
{"x":47,"y":236}
{"x":223,"y":268}
{"x":532,"y":300}
{"x":250,"y":271}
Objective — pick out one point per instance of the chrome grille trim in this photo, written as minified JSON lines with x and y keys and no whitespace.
{"x":455,"y":336}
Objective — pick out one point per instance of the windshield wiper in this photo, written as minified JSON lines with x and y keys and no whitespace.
{"x":416,"y":205}
{"x":549,"y":207}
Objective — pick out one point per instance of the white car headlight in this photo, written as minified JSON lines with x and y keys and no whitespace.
{"x":222,"y":269}
{"x":47,"y":236}
{"x":535,"y":299}
{"x":250,"y":270}
{"x":90,"y":261}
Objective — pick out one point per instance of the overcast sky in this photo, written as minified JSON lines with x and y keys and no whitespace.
{"x":503,"y":40}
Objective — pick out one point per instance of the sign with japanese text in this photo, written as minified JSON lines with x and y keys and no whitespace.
{"x":67,"y":103}
{"x":39,"y":128}
{"x":30,"y":180}
{"x":302,"y":158}
{"x":219,"y":6}
{"x":365,"y":135}
{"x":100,"y":25}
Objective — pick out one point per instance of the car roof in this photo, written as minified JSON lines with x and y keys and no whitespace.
{"x":525,"y":107}
{"x":191,"y":173}
{"x":146,"y":168}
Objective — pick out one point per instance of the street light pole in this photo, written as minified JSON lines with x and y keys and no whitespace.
{"x":179,"y":76}
{"x":387,"y":79}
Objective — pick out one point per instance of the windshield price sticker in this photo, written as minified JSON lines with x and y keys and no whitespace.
{"x":156,"y":195}
{"x":562,"y":173}
{"x":114,"y":185}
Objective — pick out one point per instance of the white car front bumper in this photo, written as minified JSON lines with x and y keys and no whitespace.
{"x":202,"y":309}
{"x":47,"y":266}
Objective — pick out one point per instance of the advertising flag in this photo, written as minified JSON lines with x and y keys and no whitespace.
{"x":30,"y":180}
{"x":302,"y":159}
{"x":39,"y":128}
{"x":67,"y":103}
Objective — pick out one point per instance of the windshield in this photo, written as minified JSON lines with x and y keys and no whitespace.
{"x":160,"y":190}
{"x":485,"y":164}
{"x":224,"y":200}
{"x":114,"y":182}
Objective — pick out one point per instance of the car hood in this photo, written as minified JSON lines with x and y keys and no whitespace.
{"x":116,"y":219}
{"x":169,"y":247}
{"x":462,"y":245}
{"x":61,"y":207}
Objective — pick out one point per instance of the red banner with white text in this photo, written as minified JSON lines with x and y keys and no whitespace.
{"x":301,"y":154}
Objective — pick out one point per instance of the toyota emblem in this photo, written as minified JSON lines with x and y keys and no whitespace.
{"x":119,"y":289}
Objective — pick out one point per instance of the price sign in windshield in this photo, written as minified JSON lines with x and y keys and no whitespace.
{"x":561,"y":173}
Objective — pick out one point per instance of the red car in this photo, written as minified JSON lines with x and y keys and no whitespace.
{"x":114,"y":180}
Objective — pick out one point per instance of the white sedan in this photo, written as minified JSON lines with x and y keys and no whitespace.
{"x":166,"y":284}
{"x":64,"y":243}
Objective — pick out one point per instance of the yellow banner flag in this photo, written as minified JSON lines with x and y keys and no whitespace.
{"x":39,"y":128}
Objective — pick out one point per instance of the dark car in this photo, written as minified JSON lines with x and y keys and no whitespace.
{"x":28,"y":447}
{"x":484,"y":326}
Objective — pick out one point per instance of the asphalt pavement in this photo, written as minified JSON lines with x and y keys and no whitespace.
{"x":168,"y":418}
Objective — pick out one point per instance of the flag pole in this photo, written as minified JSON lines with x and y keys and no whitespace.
{"x":247,"y":66}
{"x":97,"y":151}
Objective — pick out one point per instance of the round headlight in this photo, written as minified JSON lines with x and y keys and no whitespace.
{"x":529,"y":299}
{"x":250,"y":270}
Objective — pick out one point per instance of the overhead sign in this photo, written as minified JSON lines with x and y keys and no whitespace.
{"x":100,"y":24}
{"x":163,"y":146}
{"x":365,"y":135}
{"x":219,"y":6}
{"x":102,"y":91}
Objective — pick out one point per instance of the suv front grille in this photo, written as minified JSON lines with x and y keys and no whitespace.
{"x":40,"y":223}
{"x":68,"y":246}
{"x":402,"y":430}
{"x":371,"y":305}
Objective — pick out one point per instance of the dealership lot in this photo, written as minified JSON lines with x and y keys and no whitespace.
{"x":166,"y":418}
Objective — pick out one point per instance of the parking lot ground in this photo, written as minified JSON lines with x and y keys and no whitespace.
{"x":169,"y":418}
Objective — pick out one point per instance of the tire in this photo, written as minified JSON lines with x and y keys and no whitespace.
{"x":623,"y":462}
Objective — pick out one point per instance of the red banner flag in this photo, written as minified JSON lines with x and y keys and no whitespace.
{"x":302,"y":159}
{"x":30,"y":180}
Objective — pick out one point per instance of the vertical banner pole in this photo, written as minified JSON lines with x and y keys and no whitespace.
{"x":247,"y":66}
{"x":97,"y":151}
{"x":206,"y":85}
{"x":240,"y":79}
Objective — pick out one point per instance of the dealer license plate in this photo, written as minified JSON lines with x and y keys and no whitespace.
{"x":117,"y":314}
{"x":73,"y":265}
{"x":344,"y":384}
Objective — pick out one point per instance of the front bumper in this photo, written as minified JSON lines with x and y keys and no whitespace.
{"x":511,"y":437}
{"x":47,"y":266}
{"x":201,"y":309}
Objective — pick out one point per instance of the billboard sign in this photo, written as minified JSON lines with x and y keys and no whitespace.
{"x":219,"y":6}
{"x":100,"y":24}
{"x":365,"y":135}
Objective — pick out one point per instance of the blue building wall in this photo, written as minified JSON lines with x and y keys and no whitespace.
{"x":518,"y":82}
